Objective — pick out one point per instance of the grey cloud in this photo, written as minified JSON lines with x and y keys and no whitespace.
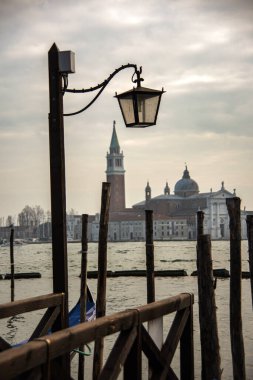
{"x":174,"y":41}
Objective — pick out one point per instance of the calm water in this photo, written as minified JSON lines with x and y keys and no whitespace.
{"x":123,"y":293}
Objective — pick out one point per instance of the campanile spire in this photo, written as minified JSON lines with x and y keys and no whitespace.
{"x":114,"y":146}
{"x":115,"y":173}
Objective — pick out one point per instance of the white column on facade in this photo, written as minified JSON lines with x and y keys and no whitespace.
{"x":215,"y":222}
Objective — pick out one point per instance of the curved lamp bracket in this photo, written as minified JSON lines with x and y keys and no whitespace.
{"x":100,"y":86}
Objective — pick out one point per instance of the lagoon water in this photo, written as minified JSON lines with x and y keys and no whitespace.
{"x":130,"y":292}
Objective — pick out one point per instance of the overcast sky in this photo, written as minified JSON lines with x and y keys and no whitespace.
{"x":201,"y":52}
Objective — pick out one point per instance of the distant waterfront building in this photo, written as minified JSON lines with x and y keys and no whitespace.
{"x":20,"y":232}
{"x":186,"y":201}
{"x":174,"y":215}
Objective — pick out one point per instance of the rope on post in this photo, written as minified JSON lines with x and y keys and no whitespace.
{"x":83,"y":352}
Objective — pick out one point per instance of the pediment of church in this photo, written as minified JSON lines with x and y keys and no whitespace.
{"x":222,"y":194}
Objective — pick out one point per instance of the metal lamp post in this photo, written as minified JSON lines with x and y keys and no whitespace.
{"x":139,"y":108}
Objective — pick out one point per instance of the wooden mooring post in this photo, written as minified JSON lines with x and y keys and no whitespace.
{"x":210,"y":351}
{"x":154,"y":325}
{"x":200,"y":223}
{"x":200,"y":230}
{"x":150,"y":256}
{"x":83,"y":289}
{"x":249,"y":221}
{"x":12,"y":263}
{"x":102,"y":269}
{"x":236,"y":335}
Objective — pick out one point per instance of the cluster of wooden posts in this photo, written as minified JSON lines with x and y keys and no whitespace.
{"x":210,"y":354}
{"x":49,"y":356}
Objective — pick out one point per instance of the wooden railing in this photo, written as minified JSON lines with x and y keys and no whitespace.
{"x":133,"y":339}
{"x":52,"y":302}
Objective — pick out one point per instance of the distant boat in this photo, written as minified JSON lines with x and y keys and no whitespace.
{"x":18,"y":242}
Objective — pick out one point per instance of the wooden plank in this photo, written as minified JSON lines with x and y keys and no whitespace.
{"x":133,"y":363}
{"x":151,"y":351}
{"x":30,"y":304}
{"x":46,"y":322}
{"x":164,"y":307}
{"x":35,"y":374}
{"x":170,"y":344}
{"x":187,"y":350}
{"x":118,"y":355}
{"x":4,"y":345}
{"x":156,"y":359}
{"x":102,"y":268}
{"x":176,"y":330}
{"x":171,"y":375}
{"x":210,"y":353}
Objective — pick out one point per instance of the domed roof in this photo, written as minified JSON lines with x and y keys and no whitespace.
{"x":186,"y":186}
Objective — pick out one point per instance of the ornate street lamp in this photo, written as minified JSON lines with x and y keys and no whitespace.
{"x":139,"y":107}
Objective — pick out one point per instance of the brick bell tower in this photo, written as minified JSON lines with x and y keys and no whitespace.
{"x":115,"y":174}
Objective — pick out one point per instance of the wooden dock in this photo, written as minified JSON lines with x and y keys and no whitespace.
{"x":49,"y":356}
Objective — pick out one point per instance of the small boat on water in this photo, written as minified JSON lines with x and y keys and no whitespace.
{"x":17,"y":242}
{"x":74,"y":314}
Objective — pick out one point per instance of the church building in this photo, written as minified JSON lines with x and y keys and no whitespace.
{"x":174,"y":215}
{"x":186,"y":201}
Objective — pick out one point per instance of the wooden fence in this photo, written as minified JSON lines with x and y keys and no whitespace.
{"x":52,"y":302}
{"x":37,"y":355}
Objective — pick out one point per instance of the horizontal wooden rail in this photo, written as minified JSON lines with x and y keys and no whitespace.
{"x":30,"y":304}
{"x":44,"y":349}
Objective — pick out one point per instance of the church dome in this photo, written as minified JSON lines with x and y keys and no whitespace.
{"x":186,"y":186}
